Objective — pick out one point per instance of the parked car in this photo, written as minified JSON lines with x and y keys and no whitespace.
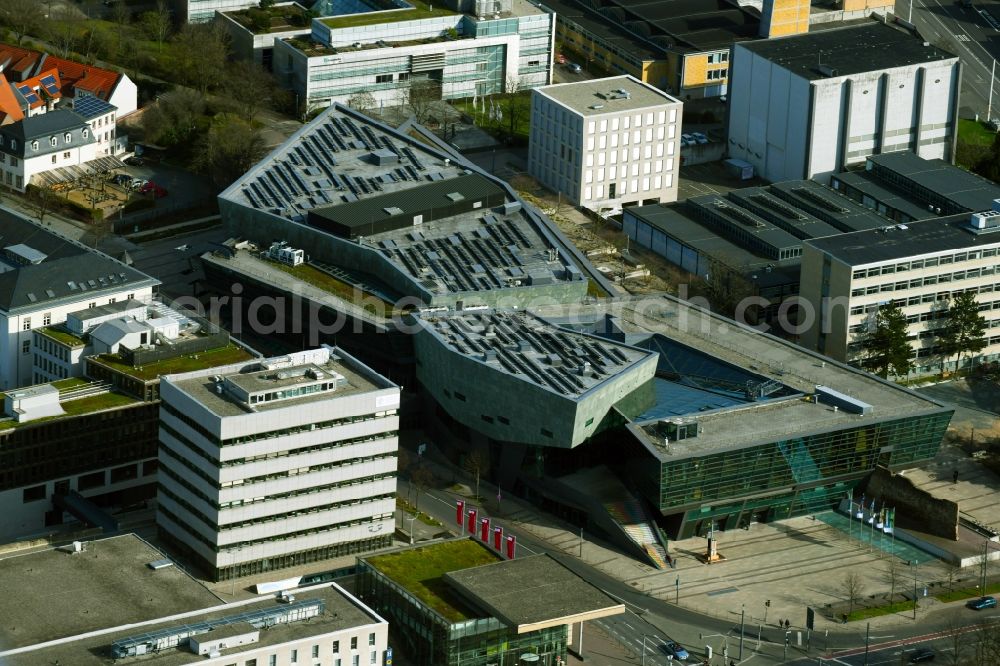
{"x":122,"y":179}
{"x":560,"y":58}
{"x":965,"y":3}
{"x":982,"y":603}
{"x":921,"y":655}
{"x":138,"y":183}
{"x":152,"y":188}
{"x":699,"y":137}
{"x":134,"y":161}
{"x":687,"y":140}
{"x":675,"y":649}
{"x":575,"y":68}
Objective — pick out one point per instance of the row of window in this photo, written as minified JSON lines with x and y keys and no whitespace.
{"x":918,"y":264}
{"x":270,"y":434}
{"x":917,"y":283}
{"x":984,"y":306}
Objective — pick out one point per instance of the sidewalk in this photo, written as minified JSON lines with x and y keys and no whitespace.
{"x":797,"y":563}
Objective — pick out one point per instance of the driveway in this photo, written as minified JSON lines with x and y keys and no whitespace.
{"x":184,"y":188}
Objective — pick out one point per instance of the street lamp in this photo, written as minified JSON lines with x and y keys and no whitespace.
{"x":411,"y":519}
{"x":743,"y":610}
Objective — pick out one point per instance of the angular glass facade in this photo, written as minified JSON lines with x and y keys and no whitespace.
{"x":433,"y":640}
{"x":789,"y":477}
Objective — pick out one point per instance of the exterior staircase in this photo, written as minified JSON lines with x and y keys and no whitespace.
{"x":630,"y":515}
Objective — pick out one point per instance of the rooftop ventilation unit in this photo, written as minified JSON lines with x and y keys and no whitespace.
{"x":596,"y":106}
{"x":827,"y":71}
{"x":985,"y":220}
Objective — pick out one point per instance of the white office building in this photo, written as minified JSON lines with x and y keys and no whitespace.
{"x":278,"y":462}
{"x":919,"y":266}
{"x":465,"y":50}
{"x":808,"y":106}
{"x":43,"y":278}
{"x":606,"y":143}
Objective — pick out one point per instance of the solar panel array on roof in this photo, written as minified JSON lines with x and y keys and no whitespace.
{"x":522,"y":345}
{"x":49,"y":82}
{"x":89,"y":106}
{"x":28,"y":94}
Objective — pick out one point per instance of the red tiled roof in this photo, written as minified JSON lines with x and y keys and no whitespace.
{"x":10,"y":109}
{"x":99,"y":82}
{"x":14,"y":59}
{"x":43,"y":91}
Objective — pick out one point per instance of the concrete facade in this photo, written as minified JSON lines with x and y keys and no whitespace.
{"x":792,"y":120}
{"x":301,"y":467}
{"x":607,"y":143}
{"x":846,"y":294}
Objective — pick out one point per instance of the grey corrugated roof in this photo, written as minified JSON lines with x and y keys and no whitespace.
{"x":45,"y":124}
{"x":66,"y":262}
{"x":965,"y":189}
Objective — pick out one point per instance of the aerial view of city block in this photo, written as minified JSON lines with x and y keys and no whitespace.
{"x":499,"y":332}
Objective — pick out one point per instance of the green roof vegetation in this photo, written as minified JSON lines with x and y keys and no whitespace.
{"x":62,"y":336}
{"x":78,"y":406}
{"x":231,"y":353}
{"x":64,"y":385}
{"x":310,"y":47}
{"x":273,"y":19}
{"x":339,"y":288}
{"x":421,"y":572}
{"x":421,"y":10}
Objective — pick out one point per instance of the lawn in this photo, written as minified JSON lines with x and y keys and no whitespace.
{"x":888,"y":609}
{"x":278,"y":18}
{"x":421,"y":10}
{"x":967,"y":593}
{"x":206,"y":359}
{"x":62,"y":336}
{"x":420,"y":571}
{"x":516,"y":108}
{"x":975,"y":133}
{"x":79,"y":406}
{"x":338,"y":288}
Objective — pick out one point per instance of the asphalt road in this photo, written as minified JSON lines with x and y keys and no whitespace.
{"x":973,"y":33}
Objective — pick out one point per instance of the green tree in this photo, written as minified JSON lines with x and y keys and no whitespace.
{"x":158,"y":23}
{"x":231,"y":148}
{"x":266,"y":4}
{"x":174,"y":117}
{"x":886,"y":347}
{"x":964,"y":330}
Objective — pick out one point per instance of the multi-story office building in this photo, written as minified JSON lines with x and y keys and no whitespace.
{"x":918,"y":266}
{"x":68,"y":446}
{"x":455,"y":49}
{"x":606,"y":143}
{"x":130,"y":605}
{"x":45,"y":277}
{"x":277,"y":462}
{"x":808,"y":106}
{"x":470,"y":607}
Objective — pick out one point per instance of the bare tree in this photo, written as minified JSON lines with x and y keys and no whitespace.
{"x":249,"y":88}
{"x":892,"y":575}
{"x":421,"y":96}
{"x":476,"y":463}
{"x":62,"y":30}
{"x":421,"y":479}
{"x":121,"y":15}
{"x":22,"y":17}
{"x":513,"y":106}
{"x":173,"y":119}
{"x":987,"y":645}
{"x":853,"y":588}
{"x":363,"y":101}
{"x":41,"y":199}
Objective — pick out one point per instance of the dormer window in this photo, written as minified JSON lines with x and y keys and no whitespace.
{"x":68,"y":137}
{"x":86,"y":133}
{"x":13,"y":144}
{"x":52,"y":141}
{"x":34,"y":145}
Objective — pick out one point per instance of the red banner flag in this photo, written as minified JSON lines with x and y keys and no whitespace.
{"x":497,"y":537}
{"x":459,"y":511}
{"x":511,"y":546}
{"x":484,"y":530}
{"x":472,"y":521}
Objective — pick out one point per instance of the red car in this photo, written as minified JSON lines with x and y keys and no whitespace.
{"x":560,"y":59}
{"x":154,"y":189}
